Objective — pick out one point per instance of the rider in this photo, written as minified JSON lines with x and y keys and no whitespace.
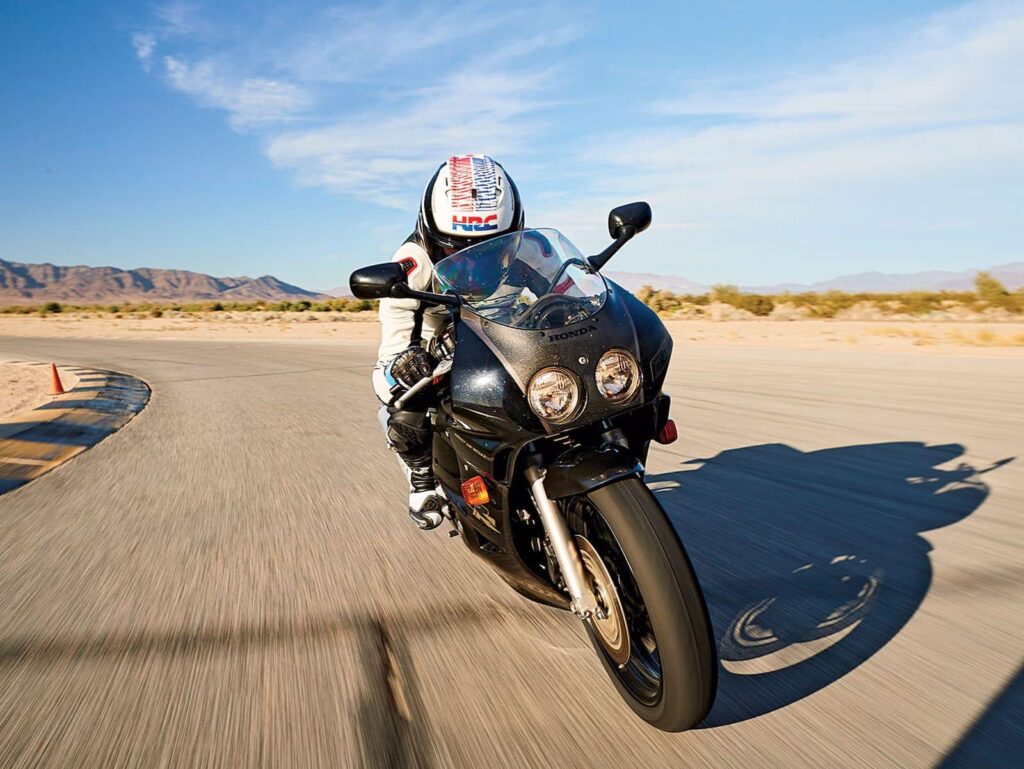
{"x":469,"y":199}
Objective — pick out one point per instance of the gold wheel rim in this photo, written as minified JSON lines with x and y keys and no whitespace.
{"x":611,"y":629}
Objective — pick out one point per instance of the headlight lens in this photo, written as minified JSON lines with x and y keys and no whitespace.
{"x":554,"y":394}
{"x":618,"y":375}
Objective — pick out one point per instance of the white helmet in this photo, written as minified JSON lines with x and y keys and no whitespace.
{"x":469,"y":199}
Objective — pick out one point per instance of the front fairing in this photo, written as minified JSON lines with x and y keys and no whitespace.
{"x":494,"y":363}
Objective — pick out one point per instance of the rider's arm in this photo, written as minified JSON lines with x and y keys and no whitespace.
{"x":401,"y":320}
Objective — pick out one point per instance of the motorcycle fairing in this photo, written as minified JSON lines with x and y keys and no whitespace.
{"x":576,"y":347}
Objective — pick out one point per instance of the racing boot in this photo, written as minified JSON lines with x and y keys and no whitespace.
{"x":426,"y":500}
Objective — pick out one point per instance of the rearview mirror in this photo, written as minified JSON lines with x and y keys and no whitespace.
{"x":635,"y":215}
{"x":623,"y":223}
{"x":389,"y":281}
{"x":376,"y":281}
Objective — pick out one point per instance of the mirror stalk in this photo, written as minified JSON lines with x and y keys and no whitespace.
{"x":402,"y":291}
{"x":597,"y":261}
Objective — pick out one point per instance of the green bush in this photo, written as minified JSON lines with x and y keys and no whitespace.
{"x":993,"y":293}
{"x":990,"y":289}
{"x":192,"y":308}
{"x":829,"y":303}
{"x":664,"y":301}
{"x":756,"y":303}
{"x":725,"y":293}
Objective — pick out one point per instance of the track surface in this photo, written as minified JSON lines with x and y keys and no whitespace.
{"x":231,"y":580}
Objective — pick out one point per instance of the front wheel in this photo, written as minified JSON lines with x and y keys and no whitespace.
{"x":653,"y":634}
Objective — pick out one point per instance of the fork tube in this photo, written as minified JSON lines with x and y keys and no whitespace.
{"x":583,"y":601}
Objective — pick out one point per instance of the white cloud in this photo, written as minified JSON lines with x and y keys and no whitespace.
{"x":472,"y":90}
{"x":250,"y":101}
{"x":952,"y":89}
{"x":960,"y":66}
{"x":180,"y":19}
{"x":144,"y":43}
{"x":386,"y":156}
{"x":938,"y":116}
{"x":351,"y":43}
{"x":365,"y":101}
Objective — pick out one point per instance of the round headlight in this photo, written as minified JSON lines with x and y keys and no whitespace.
{"x":554,"y":394}
{"x":618,"y":375}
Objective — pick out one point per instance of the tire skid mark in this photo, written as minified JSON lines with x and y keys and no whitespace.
{"x":389,"y":717}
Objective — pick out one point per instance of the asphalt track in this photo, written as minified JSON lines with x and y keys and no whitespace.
{"x":230,"y":580}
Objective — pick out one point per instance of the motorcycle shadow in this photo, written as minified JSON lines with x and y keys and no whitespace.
{"x":811,"y":561}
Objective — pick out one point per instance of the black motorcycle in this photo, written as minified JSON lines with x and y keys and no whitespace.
{"x":548,"y":394}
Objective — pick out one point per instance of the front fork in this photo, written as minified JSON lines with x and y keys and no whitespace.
{"x":584,"y":602}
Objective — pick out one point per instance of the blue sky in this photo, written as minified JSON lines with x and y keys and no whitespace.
{"x":781,"y":141}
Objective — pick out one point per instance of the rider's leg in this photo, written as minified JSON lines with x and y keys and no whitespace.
{"x":409,"y":435}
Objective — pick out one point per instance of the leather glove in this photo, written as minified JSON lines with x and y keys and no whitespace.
{"x":409,"y":367}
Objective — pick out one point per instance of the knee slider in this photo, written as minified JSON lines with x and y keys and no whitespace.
{"x":407,"y":432}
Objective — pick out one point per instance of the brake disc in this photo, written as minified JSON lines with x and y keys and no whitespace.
{"x":611,"y":628}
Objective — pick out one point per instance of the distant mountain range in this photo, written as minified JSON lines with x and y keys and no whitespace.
{"x":676,"y":285}
{"x":1011,"y":275}
{"x":339,"y":292}
{"x":37,"y":283}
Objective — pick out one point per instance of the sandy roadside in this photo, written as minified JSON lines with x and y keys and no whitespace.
{"x":917,"y":337}
{"x":24,"y":386}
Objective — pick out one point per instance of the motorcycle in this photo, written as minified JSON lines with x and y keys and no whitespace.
{"x":548,"y":395}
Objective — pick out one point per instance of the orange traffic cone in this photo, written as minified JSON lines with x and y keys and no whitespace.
{"x":56,"y":388}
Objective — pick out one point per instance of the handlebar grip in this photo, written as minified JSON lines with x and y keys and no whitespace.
{"x":413,"y":390}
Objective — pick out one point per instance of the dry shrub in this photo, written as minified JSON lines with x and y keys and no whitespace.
{"x":861,"y":311}
{"x":984,"y":337}
{"x":921,"y":337}
{"x":723,"y":311}
{"x":788,"y":311}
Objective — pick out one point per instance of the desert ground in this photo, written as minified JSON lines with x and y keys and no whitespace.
{"x":231,"y":580}
{"x":970,"y":338}
{"x":24,"y":386}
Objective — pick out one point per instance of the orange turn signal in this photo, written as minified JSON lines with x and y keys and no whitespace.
{"x":474,"y":491}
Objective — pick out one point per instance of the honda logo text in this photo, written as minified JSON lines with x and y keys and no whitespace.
{"x":571,"y":334}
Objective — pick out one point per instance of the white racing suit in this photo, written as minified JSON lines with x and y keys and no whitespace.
{"x":405,"y":323}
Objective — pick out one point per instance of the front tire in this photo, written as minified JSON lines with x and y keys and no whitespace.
{"x":670,"y":676}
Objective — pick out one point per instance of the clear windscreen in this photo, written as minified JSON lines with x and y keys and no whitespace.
{"x":534,"y":279}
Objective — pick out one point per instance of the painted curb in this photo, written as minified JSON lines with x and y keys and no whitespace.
{"x":39,"y":440}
